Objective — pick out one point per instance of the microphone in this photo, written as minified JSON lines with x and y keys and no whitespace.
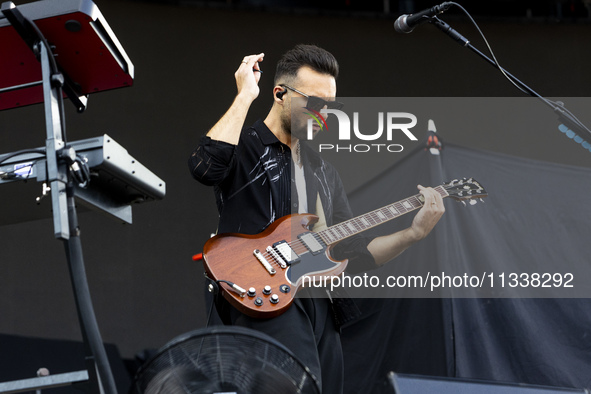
{"x":406,"y":23}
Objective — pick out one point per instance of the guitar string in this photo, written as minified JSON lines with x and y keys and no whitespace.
{"x":343,"y":230}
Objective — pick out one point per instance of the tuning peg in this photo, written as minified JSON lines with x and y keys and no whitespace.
{"x":464,"y":202}
{"x":481,"y":200}
{"x":473,"y":202}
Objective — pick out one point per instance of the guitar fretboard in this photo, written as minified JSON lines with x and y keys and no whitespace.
{"x":374,"y":218}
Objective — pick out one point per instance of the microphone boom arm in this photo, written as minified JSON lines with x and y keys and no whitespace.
{"x":563,"y":114}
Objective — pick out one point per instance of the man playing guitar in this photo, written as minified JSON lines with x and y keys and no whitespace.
{"x":253,"y":170}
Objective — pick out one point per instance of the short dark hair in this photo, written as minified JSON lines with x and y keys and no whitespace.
{"x":318,"y":59}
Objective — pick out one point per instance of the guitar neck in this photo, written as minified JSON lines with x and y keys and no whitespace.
{"x":356,"y":225}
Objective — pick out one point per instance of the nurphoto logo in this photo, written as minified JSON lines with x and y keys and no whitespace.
{"x":390,"y":124}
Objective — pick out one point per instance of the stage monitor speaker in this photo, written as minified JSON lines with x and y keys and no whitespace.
{"x":416,"y":384}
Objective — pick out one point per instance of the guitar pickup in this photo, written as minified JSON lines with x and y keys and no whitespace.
{"x":286,"y":252}
{"x":312,"y":242}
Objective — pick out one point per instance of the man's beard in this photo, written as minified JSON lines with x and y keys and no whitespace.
{"x":297,"y":130}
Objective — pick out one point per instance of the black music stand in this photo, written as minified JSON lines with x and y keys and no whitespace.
{"x":90,"y":60}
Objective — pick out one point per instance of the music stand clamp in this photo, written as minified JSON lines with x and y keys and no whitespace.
{"x":61,"y":182}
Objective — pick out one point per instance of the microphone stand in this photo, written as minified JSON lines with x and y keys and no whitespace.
{"x":563,"y":114}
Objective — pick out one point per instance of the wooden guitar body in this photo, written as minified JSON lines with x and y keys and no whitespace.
{"x":231,"y":257}
{"x":261,"y":274}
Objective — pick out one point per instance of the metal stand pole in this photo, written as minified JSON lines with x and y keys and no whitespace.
{"x":64,"y":210}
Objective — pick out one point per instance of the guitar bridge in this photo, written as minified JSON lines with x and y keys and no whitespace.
{"x":257,"y":253}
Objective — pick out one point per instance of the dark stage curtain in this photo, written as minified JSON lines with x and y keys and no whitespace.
{"x":536,"y":219}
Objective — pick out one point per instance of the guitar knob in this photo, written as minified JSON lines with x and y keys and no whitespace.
{"x":284,"y":288}
{"x":251,"y":292}
{"x":267,"y":290}
{"x":274,"y":299}
{"x":258,"y":301}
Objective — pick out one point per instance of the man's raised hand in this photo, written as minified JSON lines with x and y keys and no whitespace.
{"x":248,"y":76}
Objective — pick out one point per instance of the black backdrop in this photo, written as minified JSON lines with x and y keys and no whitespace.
{"x":145,"y":287}
{"x":512,"y":338}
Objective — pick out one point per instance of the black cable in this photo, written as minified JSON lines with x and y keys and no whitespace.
{"x":8,"y":156}
{"x":90,"y":332}
{"x":85,"y":169}
{"x":13,"y":174}
{"x":487,"y":45}
{"x":79,"y":166}
{"x":54,"y":70}
{"x":214,"y":290}
{"x":557,"y":106}
{"x":210,"y":313}
{"x":80,"y":171}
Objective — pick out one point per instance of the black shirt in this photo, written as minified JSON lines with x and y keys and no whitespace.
{"x":253,"y":183}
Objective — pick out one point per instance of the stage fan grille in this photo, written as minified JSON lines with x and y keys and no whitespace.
{"x":224,"y":359}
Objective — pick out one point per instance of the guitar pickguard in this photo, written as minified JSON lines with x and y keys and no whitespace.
{"x":310,"y":264}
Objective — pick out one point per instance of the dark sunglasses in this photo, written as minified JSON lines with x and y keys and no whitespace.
{"x":316,"y":103}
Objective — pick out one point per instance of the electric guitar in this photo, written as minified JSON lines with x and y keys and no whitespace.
{"x":260,"y":274}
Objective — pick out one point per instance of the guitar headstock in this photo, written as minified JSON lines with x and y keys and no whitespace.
{"x":465,"y":189}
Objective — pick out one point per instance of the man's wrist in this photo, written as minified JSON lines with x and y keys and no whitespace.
{"x":412,"y":235}
{"x":245,"y":98}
